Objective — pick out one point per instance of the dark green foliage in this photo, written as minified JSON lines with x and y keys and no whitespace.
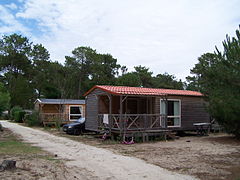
{"x":15,"y":65}
{"x":104,"y":69}
{"x":14,"y":53}
{"x":142,"y":77}
{"x":217,"y":75}
{"x":5,"y":117}
{"x":13,"y":110}
{"x":86,"y":68}
{"x":129,"y":79}
{"x":192,"y":83}
{"x":27,"y":71}
{"x":145,"y":76}
{"x":22,"y":92}
{"x":49,"y":79}
{"x":4,"y":98}
{"x":17,"y":114}
{"x":78,"y":70}
{"x":32,"y":119}
{"x":51,"y":92}
{"x":167,"y":81}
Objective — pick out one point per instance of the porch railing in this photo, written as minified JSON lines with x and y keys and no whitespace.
{"x":131,"y":122}
{"x":53,"y":117}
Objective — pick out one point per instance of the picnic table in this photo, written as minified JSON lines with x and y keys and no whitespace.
{"x":202,"y":128}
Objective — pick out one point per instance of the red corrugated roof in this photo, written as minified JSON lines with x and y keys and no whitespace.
{"x":124,"y":90}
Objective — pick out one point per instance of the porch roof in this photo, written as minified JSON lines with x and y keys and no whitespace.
{"x":124,"y":90}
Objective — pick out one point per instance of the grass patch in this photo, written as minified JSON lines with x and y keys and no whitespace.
{"x":11,"y":145}
{"x":17,"y":147}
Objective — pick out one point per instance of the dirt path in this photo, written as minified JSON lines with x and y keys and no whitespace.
{"x":88,"y":162}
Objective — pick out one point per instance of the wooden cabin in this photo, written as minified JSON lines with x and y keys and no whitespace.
{"x":62,"y":111}
{"x":125,"y":110}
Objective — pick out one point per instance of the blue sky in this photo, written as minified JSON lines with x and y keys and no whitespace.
{"x":166,"y":36}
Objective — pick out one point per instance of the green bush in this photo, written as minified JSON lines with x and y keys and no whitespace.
{"x":58,"y":124}
{"x":17,"y":114}
{"x":32,"y":119}
{"x":4,"y":116}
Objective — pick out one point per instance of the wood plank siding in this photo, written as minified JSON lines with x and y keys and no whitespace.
{"x":50,"y":113}
{"x":192,"y":111}
{"x":92,"y":109}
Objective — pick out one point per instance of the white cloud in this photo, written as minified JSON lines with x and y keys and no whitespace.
{"x":166,"y":36}
{"x":11,"y":6}
{"x":9,"y":24}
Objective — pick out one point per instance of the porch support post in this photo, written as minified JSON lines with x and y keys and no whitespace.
{"x":146,"y":118}
{"x":126,"y":107}
{"x":147,"y":106}
{"x":151,"y":110}
{"x":166,"y":110}
{"x":121,"y":110}
{"x":110,"y":114}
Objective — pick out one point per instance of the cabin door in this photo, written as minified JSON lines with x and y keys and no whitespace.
{"x":171,"y":108}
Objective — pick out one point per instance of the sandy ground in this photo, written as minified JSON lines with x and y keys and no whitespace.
{"x":212,"y":157}
{"x":89,"y":162}
{"x":29,"y":165}
{"x":32,"y":168}
{"x":37,"y":165}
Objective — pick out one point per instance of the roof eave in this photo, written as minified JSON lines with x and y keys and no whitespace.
{"x":99,"y":87}
{"x":38,"y":101}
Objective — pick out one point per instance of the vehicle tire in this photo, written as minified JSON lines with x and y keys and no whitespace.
{"x":77,"y":132}
{"x":81,"y":132}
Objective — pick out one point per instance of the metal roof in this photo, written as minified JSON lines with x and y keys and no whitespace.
{"x":61,"y":101}
{"x":124,"y":90}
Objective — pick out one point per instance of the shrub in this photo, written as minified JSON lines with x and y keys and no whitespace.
{"x":4,"y":116}
{"x":58,"y":124}
{"x":17,"y":114}
{"x":32,"y":119}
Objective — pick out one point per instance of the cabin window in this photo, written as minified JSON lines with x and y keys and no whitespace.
{"x":75,"y":112}
{"x":173,"y":112}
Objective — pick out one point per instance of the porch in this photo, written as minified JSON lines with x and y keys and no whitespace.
{"x":129,"y":115}
{"x":54,"y":118}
